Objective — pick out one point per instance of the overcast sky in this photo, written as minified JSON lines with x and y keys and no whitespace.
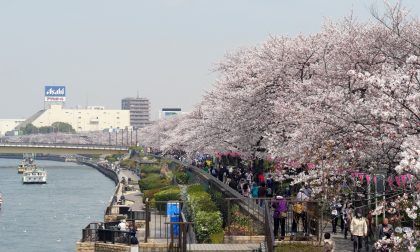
{"x":103,"y":51}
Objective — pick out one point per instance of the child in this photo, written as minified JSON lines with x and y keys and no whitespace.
{"x":329,"y":245}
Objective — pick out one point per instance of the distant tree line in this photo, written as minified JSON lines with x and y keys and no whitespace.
{"x":55,"y":127}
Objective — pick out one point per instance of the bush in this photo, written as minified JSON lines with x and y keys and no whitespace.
{"x":181,"y":177}
{"x":207,"y":224}
{"x":195,"y":188}
{"x":153,"y":181}
{"x":128,"y":163}
{"x":150,"y":193}
{"x":201,"y":201}
{"x":150,"y":168}
{"x":172,"y":193}
{"x":206,"y":216}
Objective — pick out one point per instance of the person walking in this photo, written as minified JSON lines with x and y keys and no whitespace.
{"x":246,"y":191}
{"x":329,"y":245}
{"x":299,"y":212}
{"x":385,"y":230}
{"x":347,"y":217}
{"x":336,"y":208}
{"x":262,"y":193}
{"x":279,"y":216}
{"x":358,"y":228}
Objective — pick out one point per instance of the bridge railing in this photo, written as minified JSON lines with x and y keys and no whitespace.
{"x":64,"y":145}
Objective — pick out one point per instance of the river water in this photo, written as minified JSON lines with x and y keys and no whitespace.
{"x":50,"y":217}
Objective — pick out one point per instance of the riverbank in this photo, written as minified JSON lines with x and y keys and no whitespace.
{"x":43,"y":218}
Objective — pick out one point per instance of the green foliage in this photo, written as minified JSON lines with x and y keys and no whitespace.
{"x":150,"y":168}
{"x":172,"y":193}
{"x":201,"y":201}
{"x":55,"y":127}
{"x":152,"y":181}
{"x":181,"y":177}
{"x":206,"y":224}
{"x":205,"y":214}
{"x":217,"y":237}
{"x":128,"y":163}
{"x":62,"y":127}
{"x":195,"y":188}
{"x":112,"y":158}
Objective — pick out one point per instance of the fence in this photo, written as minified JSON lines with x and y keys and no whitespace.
{"x":174,"y":229}
{"x":96,"y":232}
{"x":248,"y":217}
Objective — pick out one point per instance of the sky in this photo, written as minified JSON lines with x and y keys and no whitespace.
{"x":165,"y":50}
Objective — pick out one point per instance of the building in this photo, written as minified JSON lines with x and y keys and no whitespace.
{"x":168,"y":112}
{"x":8,"y":125}
{"x":93,"y":118}
{"x":139,"y":111}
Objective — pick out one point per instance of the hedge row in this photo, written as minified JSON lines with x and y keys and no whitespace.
{"x":205,"y":215}
{"x":172,"y":193}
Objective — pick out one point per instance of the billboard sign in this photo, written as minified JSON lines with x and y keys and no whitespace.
{"x":55,"y":93}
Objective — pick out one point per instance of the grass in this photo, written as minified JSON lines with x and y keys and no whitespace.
{"x":294,"y":247}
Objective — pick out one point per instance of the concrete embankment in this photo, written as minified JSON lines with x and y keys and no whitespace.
{"x":105,"y":171}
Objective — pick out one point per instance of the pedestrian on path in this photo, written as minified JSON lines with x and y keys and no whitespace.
{"x":358,"y":229}
{"x":347,"y":217}
{"x":385,"y":230}
{"x":329,"y":245}
{"x":279,"y":216}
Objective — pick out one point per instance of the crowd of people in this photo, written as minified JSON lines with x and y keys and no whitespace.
{"x":353,"y":224}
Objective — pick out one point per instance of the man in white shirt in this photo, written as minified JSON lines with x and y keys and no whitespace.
{"x":123,"y":225}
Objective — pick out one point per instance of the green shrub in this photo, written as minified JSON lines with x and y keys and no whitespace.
{"x":201,"y":201}
{"x":181,"y":177}
{"x":217,"y":237}
{"x":195,"y":188}
{"x":207,"y":224}
{"x":204,"y":213}
{"x":128,"y":163}
{"x":172,"y":193}
{"x":150,"y":168}
{"x":152,"y":181}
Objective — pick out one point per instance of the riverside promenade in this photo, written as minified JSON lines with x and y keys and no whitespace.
{"x":133,"y":198}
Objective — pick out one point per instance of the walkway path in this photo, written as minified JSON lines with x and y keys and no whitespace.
{"x":134,"y":197}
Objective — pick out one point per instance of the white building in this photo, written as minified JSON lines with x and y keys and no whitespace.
{"x":9,"y":124}
{"x":93,"y":118}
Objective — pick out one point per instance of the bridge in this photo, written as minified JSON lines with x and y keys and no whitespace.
{"x":61,"y":149}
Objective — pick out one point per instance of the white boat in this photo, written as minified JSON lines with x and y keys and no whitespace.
{"x":27,"y":164}
{"x":35,"y":176}
{"x":1,"y":200}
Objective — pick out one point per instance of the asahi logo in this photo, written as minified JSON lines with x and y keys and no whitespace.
{"x":55,"y":91}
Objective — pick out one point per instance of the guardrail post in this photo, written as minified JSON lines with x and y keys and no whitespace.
{"x":147,"y":228}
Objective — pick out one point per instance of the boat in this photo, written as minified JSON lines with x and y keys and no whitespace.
{"x":35,"y":176}
{"x":26,"y":165}
{"x":1,"y":200}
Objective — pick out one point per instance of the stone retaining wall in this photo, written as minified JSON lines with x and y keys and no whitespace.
{"x":233,"y":239}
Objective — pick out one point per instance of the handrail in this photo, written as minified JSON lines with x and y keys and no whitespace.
{"x":268,"y":227}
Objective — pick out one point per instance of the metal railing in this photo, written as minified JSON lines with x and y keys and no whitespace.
{"x":64,"y":145}
{"x":95,"y":232}
{"x":248,"y":217}
{"x":268,"y":228}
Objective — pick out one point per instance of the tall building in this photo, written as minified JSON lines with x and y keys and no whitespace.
{"x":139,"y":111}
{"x":92,"y":118}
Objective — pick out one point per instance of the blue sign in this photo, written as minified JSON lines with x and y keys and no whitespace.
{"x":55,"y":91}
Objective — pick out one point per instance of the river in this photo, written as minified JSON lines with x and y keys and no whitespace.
{"x":50,"y":217}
